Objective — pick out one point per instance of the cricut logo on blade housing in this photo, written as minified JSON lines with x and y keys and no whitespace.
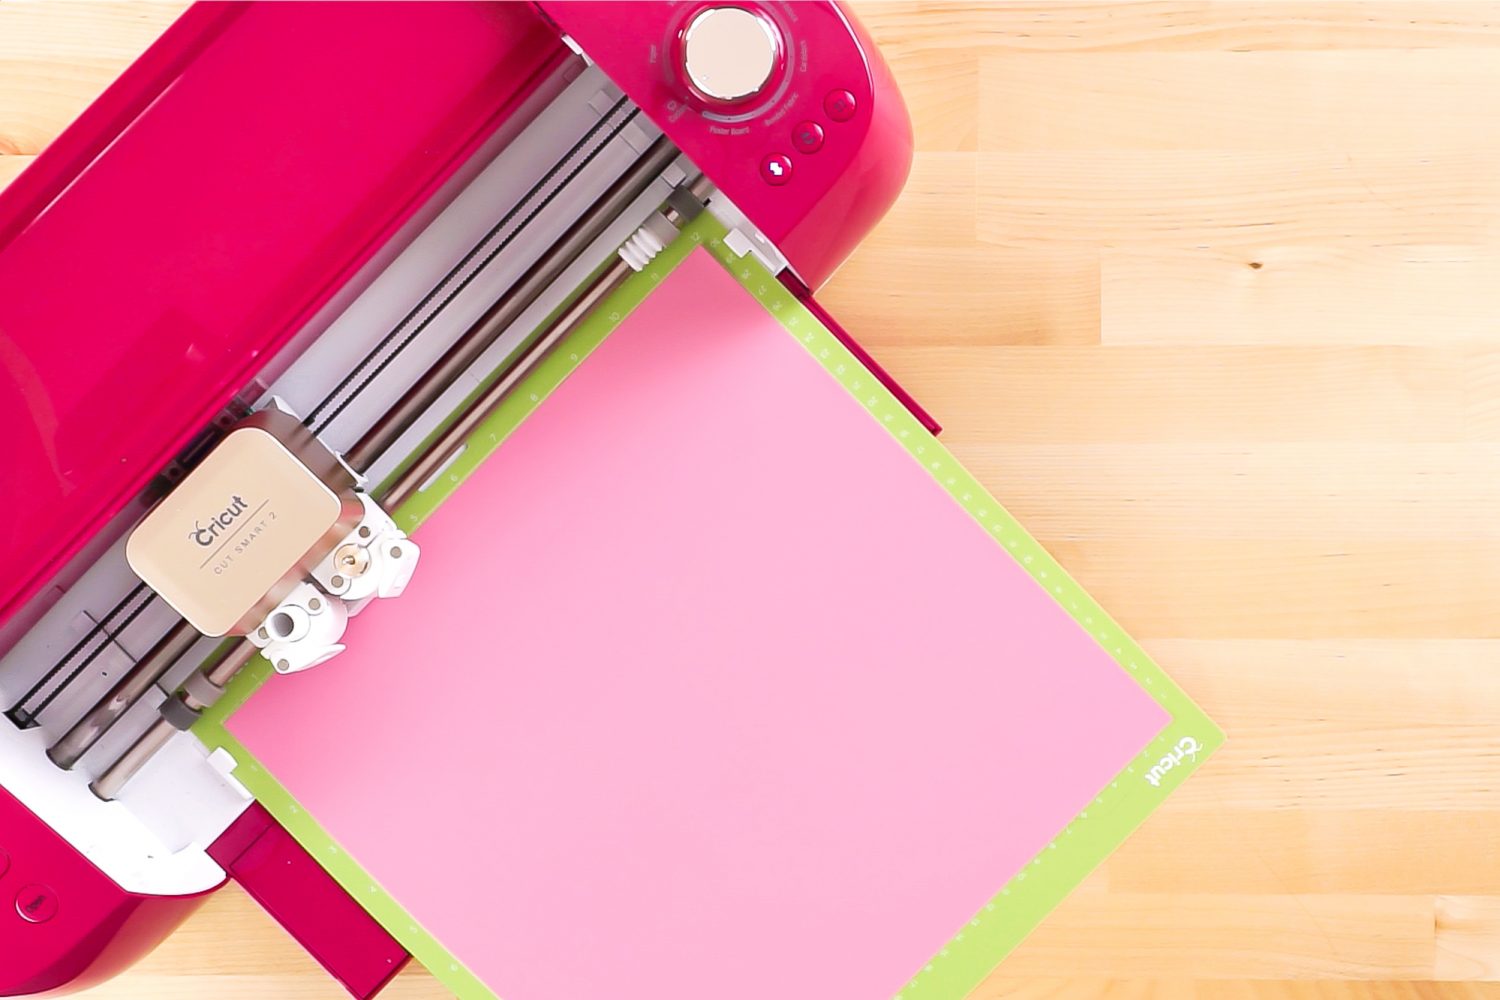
{"x":206,"y":534}
{"x":1187,"y":747}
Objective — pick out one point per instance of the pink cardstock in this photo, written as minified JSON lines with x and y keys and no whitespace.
{"x":704,"y":688}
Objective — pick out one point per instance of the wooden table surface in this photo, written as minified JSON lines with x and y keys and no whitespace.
{"x":1209,"y":295}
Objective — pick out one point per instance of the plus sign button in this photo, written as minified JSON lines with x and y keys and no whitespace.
{"x":776,"y":169}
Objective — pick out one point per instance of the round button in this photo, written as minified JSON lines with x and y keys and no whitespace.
{"x":808,"y":137}
{"x":729,"y":53}
{"x":36,"y":903}
{"x":776,"y":169}
{"x":839,"y":105}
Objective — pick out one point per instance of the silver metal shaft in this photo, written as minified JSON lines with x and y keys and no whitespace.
{"x":536,"y":350}
{"x":129,"y":689}
{"x":452,"y":438}
{"x":460,"y":357}
{"x":538,"y":347}
{"x":219,"y":673}
{"x":107,"y":786}
{"x":436,"y":380}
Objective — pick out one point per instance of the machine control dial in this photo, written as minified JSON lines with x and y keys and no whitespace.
{"x":730,"y":54}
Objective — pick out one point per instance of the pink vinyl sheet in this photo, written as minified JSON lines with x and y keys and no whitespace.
{"x":704,"y":688}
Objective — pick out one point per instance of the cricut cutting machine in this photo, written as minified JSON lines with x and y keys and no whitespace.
{"x":249,"y":303}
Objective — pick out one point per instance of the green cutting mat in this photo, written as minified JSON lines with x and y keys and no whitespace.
{"x":1019,"y":905}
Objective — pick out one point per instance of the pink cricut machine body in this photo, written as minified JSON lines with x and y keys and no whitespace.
{"x":307,"y":206}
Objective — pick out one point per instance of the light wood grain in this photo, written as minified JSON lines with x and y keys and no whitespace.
{"x":1207,"y":294}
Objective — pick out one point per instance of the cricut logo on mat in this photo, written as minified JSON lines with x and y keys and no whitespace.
{"x":1185,"y":748}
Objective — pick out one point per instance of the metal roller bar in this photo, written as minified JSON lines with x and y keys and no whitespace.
{"x":532,"y":354}
{"x":465,"y":351}
{"x":551,"y":186}
{"x":407,"y":483}
{"x":129,"y":689}
{"x":604,"y":284}
{"x":417,"y":399}
{"x":218,"y":674}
